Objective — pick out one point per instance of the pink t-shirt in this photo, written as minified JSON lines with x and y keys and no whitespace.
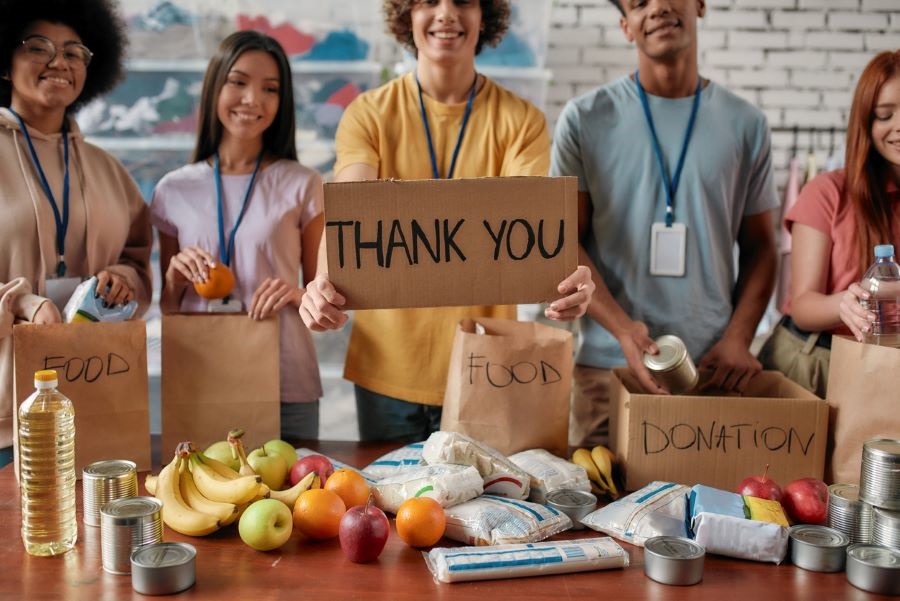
{"x":286,"y":197}
{"x":823,"y":206}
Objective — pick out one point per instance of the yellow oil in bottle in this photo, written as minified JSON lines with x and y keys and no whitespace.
{"x":47,"y":468}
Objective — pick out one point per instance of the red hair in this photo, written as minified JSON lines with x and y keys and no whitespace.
{"x":866,"y":169}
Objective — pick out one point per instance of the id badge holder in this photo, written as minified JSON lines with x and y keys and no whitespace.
{"x":667,"y":249}
{"x":224,"y":305}
{"x":60,"y":290}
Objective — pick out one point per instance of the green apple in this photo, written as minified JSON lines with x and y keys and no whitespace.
{"x":266,"y":524}
{"x":285,"y":449}
{"x":270,"y":466}
{"x":221,"y":450}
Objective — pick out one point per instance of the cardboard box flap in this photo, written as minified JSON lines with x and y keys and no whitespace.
{"x":766,"y":385}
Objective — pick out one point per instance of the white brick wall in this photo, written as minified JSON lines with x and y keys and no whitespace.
{"x":797,"y":60}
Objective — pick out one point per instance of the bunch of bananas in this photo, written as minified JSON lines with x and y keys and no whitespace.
{"x":598,"y":463}
{"x":201,"y":495}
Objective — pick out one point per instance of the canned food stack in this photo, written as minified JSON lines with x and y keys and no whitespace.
{"x":886,"y":528}
{"x":105,"y":481}
{"x":879,"y":485}
{"x":849,"y":515}
{"x":126,"y":525}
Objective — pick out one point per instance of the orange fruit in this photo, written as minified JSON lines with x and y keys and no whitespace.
{"x":219,"y":284}
{"x":318,"y":513}
{"x":349,"y":486}
{"x":421,"y":522}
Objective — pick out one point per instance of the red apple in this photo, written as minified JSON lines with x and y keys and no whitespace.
{"x":311,"y":463}
{"x":761,"y":487}
{"x":806,"y":501}
{"x":363,"y":532}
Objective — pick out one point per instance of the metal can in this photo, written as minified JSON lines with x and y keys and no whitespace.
{"x":848,"y":514}
{"x":672,"y":367}
{"x":576,"y":504}
{"x":886,"y":528}
{"x":163,"y":568}
{"x":673,"y":560}
{"x":879,"y":477}
{"x":125,"y":525}
{"x":818,"y":548}
{"x":874,"y":569}
{"x":105,"y":481}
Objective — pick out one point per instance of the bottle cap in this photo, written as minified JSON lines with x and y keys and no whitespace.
{"x":883,"y":251}
{"x":45,"y":378}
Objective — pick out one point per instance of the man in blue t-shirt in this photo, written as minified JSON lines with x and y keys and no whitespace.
{"x":674,"y":173}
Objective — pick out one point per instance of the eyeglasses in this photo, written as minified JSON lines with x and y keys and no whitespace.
{"x":42,"y":51}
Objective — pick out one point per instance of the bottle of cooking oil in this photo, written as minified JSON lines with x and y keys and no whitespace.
{"x":47,"y":468}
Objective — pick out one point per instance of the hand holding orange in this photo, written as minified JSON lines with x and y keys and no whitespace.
{"x":218,"y":284}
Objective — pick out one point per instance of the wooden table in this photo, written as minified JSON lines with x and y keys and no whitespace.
{"x":229,"y":570}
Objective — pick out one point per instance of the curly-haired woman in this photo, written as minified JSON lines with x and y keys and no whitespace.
{"x":70,"y":210}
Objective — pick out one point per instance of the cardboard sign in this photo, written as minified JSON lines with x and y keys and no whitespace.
{"x":441,"y":243}
{"x":718,"y":441}
{"x":102,"y":368}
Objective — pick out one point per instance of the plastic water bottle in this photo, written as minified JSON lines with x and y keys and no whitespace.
{"x":882,"y":282}
{"x":47,"y":468}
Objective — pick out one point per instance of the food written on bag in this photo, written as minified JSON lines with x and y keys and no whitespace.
{"x":447,"y":484}
{"x":490,"y":520}
{"x":658,"y":509}
{"x":501,"y":477}
{"x":549,"y":472}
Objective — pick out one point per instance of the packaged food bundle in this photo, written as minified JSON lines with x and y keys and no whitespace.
{"x":549,"y":472}
{"x":447,"y":484}
{"x":370,"y":480}
{"x":85,"y":305}
{"x":501,"y":477}
{"x":492,"y":520}
{"x":398,"y":460}
{"x":726,"y":523}
{"x":658,"y":509}
{"x":460,"y":564}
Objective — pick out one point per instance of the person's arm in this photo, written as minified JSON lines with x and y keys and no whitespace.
{"x":811,"y":308}
{"x":730,"y":357}
{"x":129,"y":278}
{"x":180,"y":268}
{"x":18,"y":303}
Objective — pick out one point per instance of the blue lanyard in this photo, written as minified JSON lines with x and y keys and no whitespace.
{"x":62,"y":222}
{"x":462,"y":130}
{"x":226,"y":253}
{"x":671,"y":185}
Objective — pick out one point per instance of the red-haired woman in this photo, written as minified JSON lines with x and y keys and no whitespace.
{"x":838,"y":219}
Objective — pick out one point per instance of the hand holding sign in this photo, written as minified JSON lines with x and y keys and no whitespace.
{"x":578,"y":288}
{"x":321,"y":307}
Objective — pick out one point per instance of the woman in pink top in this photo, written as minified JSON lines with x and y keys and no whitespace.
{"x":838,"y":219}
{"x":247,"y":202}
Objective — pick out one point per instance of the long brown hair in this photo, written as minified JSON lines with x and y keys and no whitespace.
{"x":866,"y":169}
{"x":278,"y":139}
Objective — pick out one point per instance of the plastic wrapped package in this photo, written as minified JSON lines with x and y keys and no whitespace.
{"x":549,"y":472}
{"x":658,"y":509}
{"x":402,"y":459}
{"x":370,"y":480}
{"x":492,"y":520}
{"x":447,"y":484}
{"x":461,"y":564}
{"x":501,"y":477}
{"x":85,"y":306}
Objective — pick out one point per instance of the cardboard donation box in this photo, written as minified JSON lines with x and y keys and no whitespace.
{"x":102,"y":368}
{"x":444,"y":243}
{"x":718,"y":440}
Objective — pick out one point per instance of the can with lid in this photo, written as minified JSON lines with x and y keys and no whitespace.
{"x":576,"y":504}
{"x":818,"y":548}
{"x":672,"y":367}
{"x":163,"y":568}
{"x":886,"y":528}
{"x":673,"y":560}
{"x":105,"y":481}
{"x":125,"y":525}
{"x":879,"y":477}
{"x":848,"y":514}
{"x":874,"y":569}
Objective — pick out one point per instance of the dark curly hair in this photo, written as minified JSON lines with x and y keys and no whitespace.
{"x":494,"y":16}
{"x":98,"y":24}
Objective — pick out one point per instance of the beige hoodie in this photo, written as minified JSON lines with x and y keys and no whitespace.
{"x":117,"y":234}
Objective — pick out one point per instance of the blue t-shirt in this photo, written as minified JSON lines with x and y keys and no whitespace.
{"x":602,"y":137}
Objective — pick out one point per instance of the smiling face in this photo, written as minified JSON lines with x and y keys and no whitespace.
{"x":40,"y":88}
{"x":248,"y":101}
{"x":662,"y":29}
{"x":886,"y":124}
{"x":446,"y":31}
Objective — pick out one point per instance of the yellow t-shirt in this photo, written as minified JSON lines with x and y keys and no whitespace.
{"x":405,"y":353}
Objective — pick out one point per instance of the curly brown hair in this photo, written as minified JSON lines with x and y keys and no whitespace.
{"x":494,"y":17}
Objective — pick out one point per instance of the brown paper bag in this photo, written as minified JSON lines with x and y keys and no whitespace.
{"x":219,"y":371}
{"x":102,"y":367}
{"x":509,"y":387}
{"x":862,"y":396}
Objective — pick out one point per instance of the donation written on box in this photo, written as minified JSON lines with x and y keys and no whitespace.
{"x":718,"y":440}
